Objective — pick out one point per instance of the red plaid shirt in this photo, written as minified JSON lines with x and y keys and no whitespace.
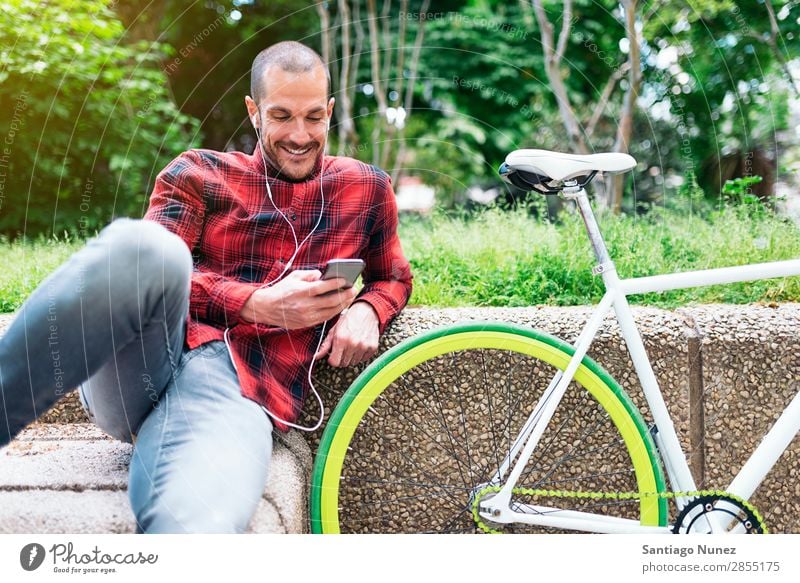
{"x":217,"y":203}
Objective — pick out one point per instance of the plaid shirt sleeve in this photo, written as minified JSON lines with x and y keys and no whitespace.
{"x":387,"y":274}
{"x":177,"y":203}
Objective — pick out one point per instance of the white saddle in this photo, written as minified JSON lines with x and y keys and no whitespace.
{"x":558,"y":166}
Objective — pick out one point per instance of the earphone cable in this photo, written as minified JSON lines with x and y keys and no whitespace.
{"x":285,"y":269}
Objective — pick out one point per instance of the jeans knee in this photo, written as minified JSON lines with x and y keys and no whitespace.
{"x":122,"y":434}
{"x":156,"y":254}
{"x":164,"y":502}
{"x":118,"y":427}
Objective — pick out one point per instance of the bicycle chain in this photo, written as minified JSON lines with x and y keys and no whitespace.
{"x":612,"y":496}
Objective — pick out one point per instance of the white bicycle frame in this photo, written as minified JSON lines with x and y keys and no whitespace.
{"x":497,"y":508}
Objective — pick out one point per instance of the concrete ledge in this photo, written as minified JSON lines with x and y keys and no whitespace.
{"x":751,"y":371}
{"x":664,"y":334}
{"x":726,"y":371}
{"x":72,"y":478}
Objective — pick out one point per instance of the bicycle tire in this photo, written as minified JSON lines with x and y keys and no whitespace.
{"x":366,"y":431}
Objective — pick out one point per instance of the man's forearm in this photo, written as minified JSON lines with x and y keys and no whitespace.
{"x":365,"y":310}
{"x":300,"y":300}
{"x":218,"y":299}
{"x":387,"y":299}
{"x":254,"y":310}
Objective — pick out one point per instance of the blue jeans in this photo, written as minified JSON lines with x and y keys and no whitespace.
{"x":111,"y":320}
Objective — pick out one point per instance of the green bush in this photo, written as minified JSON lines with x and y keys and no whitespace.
{"x":510,"y":258}
{"x":86,"y":121}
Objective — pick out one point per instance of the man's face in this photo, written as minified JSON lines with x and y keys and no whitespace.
{"x":293,"y":117}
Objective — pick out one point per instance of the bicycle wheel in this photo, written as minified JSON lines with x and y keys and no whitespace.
{"x":434,"y":417}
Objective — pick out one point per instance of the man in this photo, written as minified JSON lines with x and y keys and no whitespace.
{"x":196,"y":360}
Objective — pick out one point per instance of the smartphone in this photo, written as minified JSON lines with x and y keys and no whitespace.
{"x":349,"y":269}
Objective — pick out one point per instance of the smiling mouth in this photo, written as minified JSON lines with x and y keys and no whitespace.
{"x":299,"y":152}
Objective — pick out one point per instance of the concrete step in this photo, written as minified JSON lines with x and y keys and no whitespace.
{"x":73,"y":478}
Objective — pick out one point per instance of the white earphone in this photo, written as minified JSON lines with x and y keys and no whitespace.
{"x":297,"y":247}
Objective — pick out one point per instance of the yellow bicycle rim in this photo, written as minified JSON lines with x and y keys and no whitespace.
{"x":382,"y":373}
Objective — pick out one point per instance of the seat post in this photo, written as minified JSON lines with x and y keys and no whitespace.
{"x":573,"y":191}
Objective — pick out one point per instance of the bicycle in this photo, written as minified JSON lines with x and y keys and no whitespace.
{"x":560,"y":446}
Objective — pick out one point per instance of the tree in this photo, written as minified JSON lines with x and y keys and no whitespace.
{"x":606,"y":75}
{"x":87,"y":120}
{"x":719,"y":69}
{"x":214,"y":44}
{"x":555,"y":49}
{"x":393,"y":60}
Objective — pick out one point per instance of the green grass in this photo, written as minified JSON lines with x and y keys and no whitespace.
{"x":23,"y":266}
{"x":512,"y":259}
{"x":497,"y":258}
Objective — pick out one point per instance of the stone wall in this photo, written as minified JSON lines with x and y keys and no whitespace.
{"x":726,"y":373}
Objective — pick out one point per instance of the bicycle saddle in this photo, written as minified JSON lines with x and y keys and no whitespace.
{"x":540,"y":169}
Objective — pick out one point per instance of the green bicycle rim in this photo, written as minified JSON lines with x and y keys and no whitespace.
{"x":370,"y":384}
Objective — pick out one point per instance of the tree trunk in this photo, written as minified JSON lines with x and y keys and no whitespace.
{"x":346,"y":127}
{"x":325,"y":31}
{"x":774,"y":35}
{"x":408,"y":98}
{"x":391,"y":129}
{"x":380,"y":96}
{"x":615,"y":184}
{"x":141,"y":23}
{"x":553,"y":56}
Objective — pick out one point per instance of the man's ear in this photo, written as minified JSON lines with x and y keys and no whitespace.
{"x":331,"y":101}
{"x":252,"y":110}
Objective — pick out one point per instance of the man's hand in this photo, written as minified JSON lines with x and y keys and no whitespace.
{"x":354,"y":338}
{"x":300,"y":300}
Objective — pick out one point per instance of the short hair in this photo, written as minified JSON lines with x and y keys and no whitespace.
{"x":290,"y":56}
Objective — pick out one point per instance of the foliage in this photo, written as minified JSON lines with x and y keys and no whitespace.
{"x":95,"y":102}
{"x":716,"y":68}
{"x":484,"y":65}
{"x":713,"y":84}
{"x":502,"y":258}
{"x":88,"y":120}
{"x":27,"y":262}
{"x":212,"y":45}
{"x":482,"y":95}
{"x":739,"y":190}
{"x":512,"y":259}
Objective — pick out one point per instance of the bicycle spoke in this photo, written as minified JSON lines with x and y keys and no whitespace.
{"x":447,"y":425}
{"x":460,"y":401}
{"x":435,"y":397}
{"x":451,"y":453}
{"x":426,"y":474}
{"x":495,"y":447}
{"x":567,"y":457}
{"x":578,"y":456}
{"x":455,"y":517}
{"x":405,"y":483}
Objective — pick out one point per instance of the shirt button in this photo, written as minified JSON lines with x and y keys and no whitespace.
{"x":293,"y":216}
